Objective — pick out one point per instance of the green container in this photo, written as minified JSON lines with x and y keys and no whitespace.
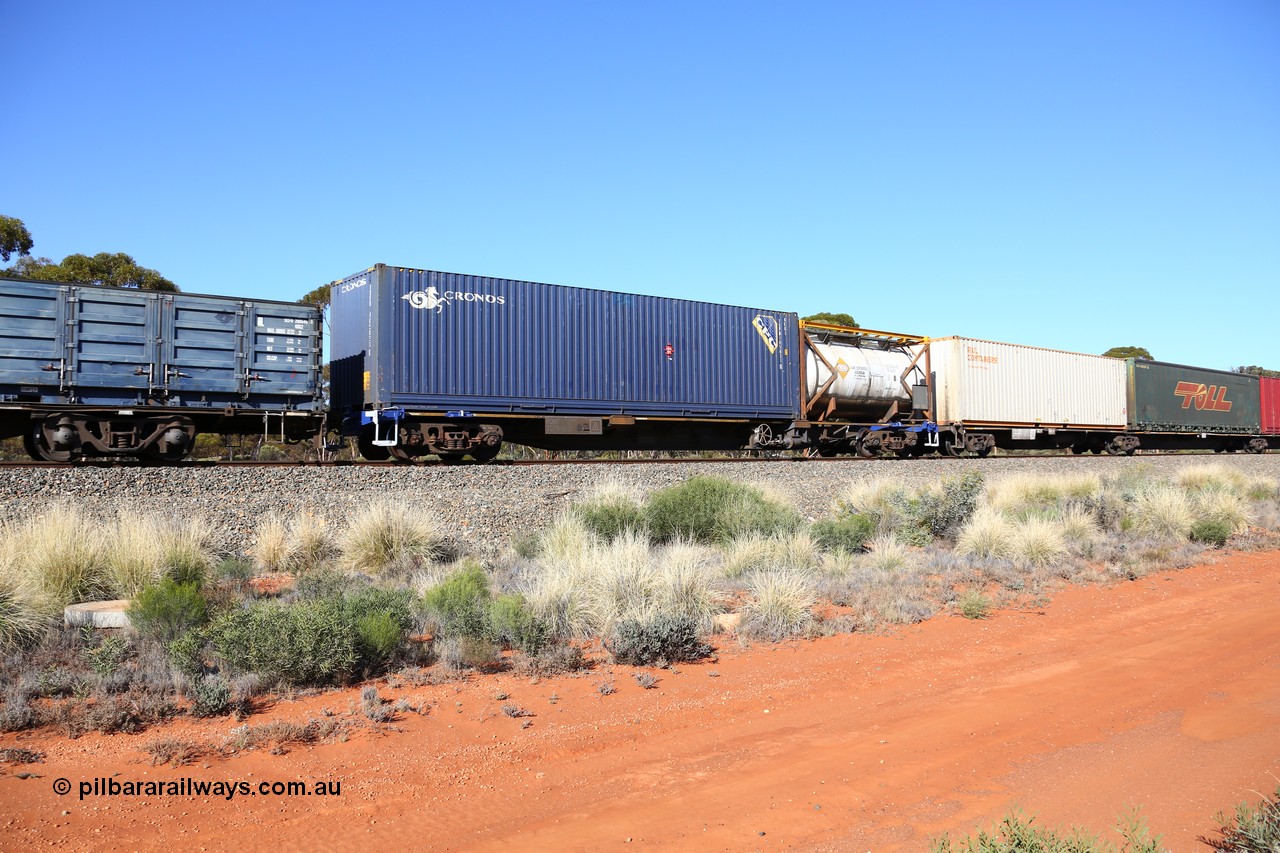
{"x":1175,"y":398}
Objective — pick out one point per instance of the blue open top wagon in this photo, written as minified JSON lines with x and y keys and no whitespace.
{"x":106,"y":371}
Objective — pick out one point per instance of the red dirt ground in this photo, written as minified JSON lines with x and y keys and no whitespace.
{"x":1163,"y":692}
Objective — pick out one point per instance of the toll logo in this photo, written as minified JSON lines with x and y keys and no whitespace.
{"x":767,"y":328}
{"x":432,"y":299}
{"x":1212,"y":398}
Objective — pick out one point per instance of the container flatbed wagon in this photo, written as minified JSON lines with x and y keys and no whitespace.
{"x":105,"y":371}
{"x":1174,"y":407}
{"x":428,"y":362}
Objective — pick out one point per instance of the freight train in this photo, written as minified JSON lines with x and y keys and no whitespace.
{"x":427,"y":363}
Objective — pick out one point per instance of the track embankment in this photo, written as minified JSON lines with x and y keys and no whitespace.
{"x":1163,"y":692}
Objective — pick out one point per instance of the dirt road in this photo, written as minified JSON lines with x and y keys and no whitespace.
{"x":1164,"y":692}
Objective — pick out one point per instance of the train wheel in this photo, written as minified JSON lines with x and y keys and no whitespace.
{"x":399,"y":454}
{"x":371,"y":451}
{"x":38,"y":449}
{"x":486,"y":453}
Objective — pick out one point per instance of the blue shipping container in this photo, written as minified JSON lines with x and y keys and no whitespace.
{"x":434,"y":342}
{"x":107,"y":346}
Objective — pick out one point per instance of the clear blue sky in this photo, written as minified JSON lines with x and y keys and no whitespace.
{"x":1068,"y":174}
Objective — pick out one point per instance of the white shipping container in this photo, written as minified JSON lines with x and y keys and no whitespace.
{"x":984,"y":382}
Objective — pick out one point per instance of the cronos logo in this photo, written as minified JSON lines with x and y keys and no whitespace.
{"x":432,"y":299}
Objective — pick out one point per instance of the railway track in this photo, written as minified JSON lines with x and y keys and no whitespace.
{"x":132,"y":464}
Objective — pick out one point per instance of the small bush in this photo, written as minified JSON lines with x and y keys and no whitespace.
{"x":21,"y":622}
{"x":1211,"y":531}
{"x":18,"y":755}
{"x":515,"y":625}
{"x":168,"y":609}
{"x":714,"y":509}
{"x":659,"y":641}
{"x":374,"y":706}
{"x":105,"y":658}
{"x":941,"y":510}
{"x":845,"y":533}
{"x":174,"y":751}
{"x":61,"y":559}
{"x":515,"y":711}
{"x":1019,"y":834}
{"x":385,"y":538}
{"x":185,"y":654}
{"x":988,"y":534}
{"x":1252,"y":829}
{"x":779,"y":606}
{"x":887,"y":554}
{"x":304,"y":643}
{"x":1037,"y":542}
{"x":460,"y":603}
{"x":270,"y":544}
{"x":1163,"y":511}
{"x":555,"y":660}
{"x":380,"y":636}
{"x":609,"y":511}
{"x":210,"y":696}
{"x":646,"y":680}
{"x":234,"y":570}
{"x":974,"y":605}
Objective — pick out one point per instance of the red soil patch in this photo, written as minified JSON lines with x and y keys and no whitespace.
{"x":1163,"y":692}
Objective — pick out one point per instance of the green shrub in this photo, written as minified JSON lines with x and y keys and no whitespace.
{"x":847,"y":533}
{"x":1251,"y":829}
{"x":609,"y":518}
{"x":326,"y":583}
{"x":106,"y":657}
{"x":210,"y":696}
{"x":515,"y":625}
{"x":1211,"y":531}
{"x":304,"y":643}
{"x":380,"y":636}
{"x":184,"y":654}
{"x":1019,"y":834}
{"x":234,"y":570}
{"x":168,"y":609}
{"x":940,"y":511}
{"x":460,"y":603}
{"x":661,"y":640}
{"x":713,"y":509}
{"x":974,"y":605}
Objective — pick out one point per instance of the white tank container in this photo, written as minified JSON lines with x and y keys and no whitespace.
{"x":867,"y":380}
{"x":984,"y":382}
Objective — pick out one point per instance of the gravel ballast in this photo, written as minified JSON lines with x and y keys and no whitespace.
{"x":487,"y":506}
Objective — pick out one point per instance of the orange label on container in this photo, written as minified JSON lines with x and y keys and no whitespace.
{"x":1211,"y":397}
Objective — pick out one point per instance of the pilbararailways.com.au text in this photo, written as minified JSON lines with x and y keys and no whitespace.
{"x":189,"y":787}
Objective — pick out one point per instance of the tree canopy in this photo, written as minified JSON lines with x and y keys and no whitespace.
{"x":832,"y":318}
{"x":1255,"y":370}
{"x":118,"y":270}
{"x":104,"y":268}
{"x":319,"y":296}
{"x":15,"y":239}
{"x":1129,"y":352}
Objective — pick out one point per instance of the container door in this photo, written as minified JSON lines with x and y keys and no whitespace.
{"x":111,"y":338}
{"x":202,"y":345}
{"x":283,"y":352}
